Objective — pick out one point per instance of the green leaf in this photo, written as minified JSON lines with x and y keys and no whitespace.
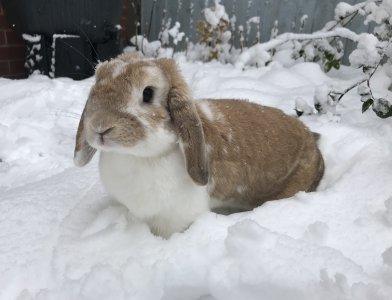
{"x":329,"y":64}
{"x":382,"y":108}
{"x":367,"y":104}
{"x":336,"y":64}
{"x":329,"y":56}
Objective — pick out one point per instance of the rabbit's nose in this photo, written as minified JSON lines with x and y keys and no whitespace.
{"x":102,"y":132}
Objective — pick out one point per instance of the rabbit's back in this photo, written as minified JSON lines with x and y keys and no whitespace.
{"x":257,"y":153}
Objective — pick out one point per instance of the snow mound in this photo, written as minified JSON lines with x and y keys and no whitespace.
{"x":62,"y":237}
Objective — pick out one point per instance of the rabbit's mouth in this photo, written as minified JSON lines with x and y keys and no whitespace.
{"x":107,"y":140}
{"x":101,"y":139}
{"x":102,"y":135}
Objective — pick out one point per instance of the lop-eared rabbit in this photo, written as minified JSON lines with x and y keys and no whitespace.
{"x":169,"y":158}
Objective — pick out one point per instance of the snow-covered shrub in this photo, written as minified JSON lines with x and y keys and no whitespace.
{"x":172,"y":33}
{"x":34,"y":53}
{"x":160,"y":48}
{"x":214,"y":32}
{"x":372,"y":51}
{"x":150,"y":49}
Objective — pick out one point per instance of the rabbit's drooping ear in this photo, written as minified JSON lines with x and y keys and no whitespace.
{"x":83,"y":151}
{"x":187,"y":123}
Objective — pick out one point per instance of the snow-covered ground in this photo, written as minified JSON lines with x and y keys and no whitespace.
{"x":61,"y":237}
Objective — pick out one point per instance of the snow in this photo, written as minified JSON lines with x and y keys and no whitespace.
{"x":167,"y":32}
{"x":387,"y":257}
{"x":175,"y":33}
{"x":379,"y":13}
{"x":254,"y":20}
{"x":214,"y":15}
{"x":303,"y":107}
{"x":366,"y":53}
{"x":150,"y":49}
{"x":344,"y":9}
{"x":31,"y":38}
{"x":62,"y":237}
{"x":388,"y":211}
{"x":303,"y":19}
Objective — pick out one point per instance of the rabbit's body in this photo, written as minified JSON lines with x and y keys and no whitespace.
{"x":257,"y":153}
{"x":169,"y":158}
{"x":156,"y":190}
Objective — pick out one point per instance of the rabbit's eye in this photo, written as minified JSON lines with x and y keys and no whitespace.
{"x":148,"y":93}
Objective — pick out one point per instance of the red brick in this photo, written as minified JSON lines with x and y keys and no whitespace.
{"x":124,"y":21}
{"x":13,"y":38}
{"x":3,"y":22}
{"x":2,"y":37}
{"x":4,"y":68}
{"x":17,"y":67}
{"x":12,"y":53}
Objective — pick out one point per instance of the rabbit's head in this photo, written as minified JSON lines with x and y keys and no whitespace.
{"x":143,"y":108}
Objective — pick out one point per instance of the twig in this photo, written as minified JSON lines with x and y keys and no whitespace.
{"x":332,"y":93}
{"x":367,"y":80}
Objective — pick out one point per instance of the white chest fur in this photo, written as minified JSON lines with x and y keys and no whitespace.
{"x":156,"y":190}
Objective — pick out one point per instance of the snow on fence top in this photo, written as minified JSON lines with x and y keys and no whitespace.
{"x":258,"y":19}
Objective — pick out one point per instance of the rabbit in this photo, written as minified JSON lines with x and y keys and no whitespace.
{"x":169,"y":158}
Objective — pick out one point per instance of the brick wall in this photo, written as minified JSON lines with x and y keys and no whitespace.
{"x":129,"y":20}
{"x":12,"y":51}
{"x":125,"y":34}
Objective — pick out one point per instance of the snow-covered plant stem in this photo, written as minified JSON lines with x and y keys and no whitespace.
{"x":259,"y":54}
{"x":337,"y":96}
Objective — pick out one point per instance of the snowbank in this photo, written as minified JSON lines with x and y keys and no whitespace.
{"x":61,"y":237}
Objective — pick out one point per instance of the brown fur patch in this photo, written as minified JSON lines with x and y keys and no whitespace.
{"x":186,"y":123}
{"x":258,"y":153}
{"x":83,"y":151}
